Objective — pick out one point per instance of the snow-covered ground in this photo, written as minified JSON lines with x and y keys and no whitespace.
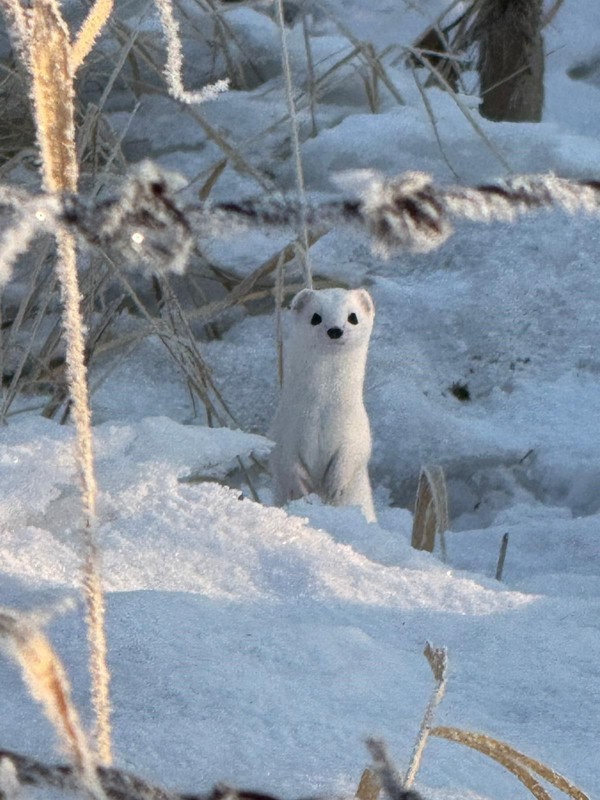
{"x":260,"y":647}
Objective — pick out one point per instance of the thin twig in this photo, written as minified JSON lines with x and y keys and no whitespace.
{"x":289,"y":93}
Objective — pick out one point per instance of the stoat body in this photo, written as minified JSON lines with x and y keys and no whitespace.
{"x":321,"y":428}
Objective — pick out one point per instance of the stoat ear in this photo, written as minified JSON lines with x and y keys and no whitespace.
{"x":366,"y":301}
{"x":301,"y":299}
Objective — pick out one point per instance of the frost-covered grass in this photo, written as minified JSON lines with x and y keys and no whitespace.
{"x":261,"y":647}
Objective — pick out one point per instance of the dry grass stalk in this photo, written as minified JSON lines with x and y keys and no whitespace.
{"x":213,"y":177}
{"x":289,"y":93}
{"x":368,"y":55}
{"x":431,"y":508}
{"x":78,"y":388}
{"x":50,"y":65}
{"x":88,"y":33}
{"x":513,"y":760}
{"x":67,"y":273}
{"x":310,"y":79}
{"x":438,"y":661}
{"x":466,"y":111}
{"x":53,"y":95}
{"x":47,"y":683}
{"x":432,"y":119}
{"x":95,"y":613}
{"x":238,"y":295}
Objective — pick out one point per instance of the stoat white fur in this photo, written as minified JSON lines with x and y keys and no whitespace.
{"x":321,"y":429}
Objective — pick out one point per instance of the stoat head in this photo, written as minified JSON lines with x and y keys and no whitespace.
{"x":330,"y":318}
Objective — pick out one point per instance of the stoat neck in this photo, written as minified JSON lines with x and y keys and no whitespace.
{"x":334,"y":372}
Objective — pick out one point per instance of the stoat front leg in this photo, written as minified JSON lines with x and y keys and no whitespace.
{"x":339,"y":474}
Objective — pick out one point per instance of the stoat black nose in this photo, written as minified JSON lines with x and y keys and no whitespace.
{"x":334,"y":333}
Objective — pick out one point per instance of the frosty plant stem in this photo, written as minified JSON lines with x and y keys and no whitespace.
{"x":43,"y":40}
{"x":438,"y":661}
{"x":289,"y":93}
{"x":173,"y":69}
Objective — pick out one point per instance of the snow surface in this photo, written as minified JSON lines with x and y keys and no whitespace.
{"x":260,"y":647}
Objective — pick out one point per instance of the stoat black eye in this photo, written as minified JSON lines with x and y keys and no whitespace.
{"x":316,"y":319}
{"x":353,"y":319}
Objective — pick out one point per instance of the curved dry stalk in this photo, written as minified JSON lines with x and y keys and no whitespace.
{"x":512,"y":760}
{"x":174,"y":66}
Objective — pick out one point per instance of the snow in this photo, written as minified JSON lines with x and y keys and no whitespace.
{"x":261,"y":646}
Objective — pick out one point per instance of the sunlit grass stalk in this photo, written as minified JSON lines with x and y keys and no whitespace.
{"x":66,"y":268}
{"x":50,"y":59}
{"x":88,"y":33}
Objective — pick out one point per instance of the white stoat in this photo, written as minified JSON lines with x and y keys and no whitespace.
{"x":321,"y":429}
